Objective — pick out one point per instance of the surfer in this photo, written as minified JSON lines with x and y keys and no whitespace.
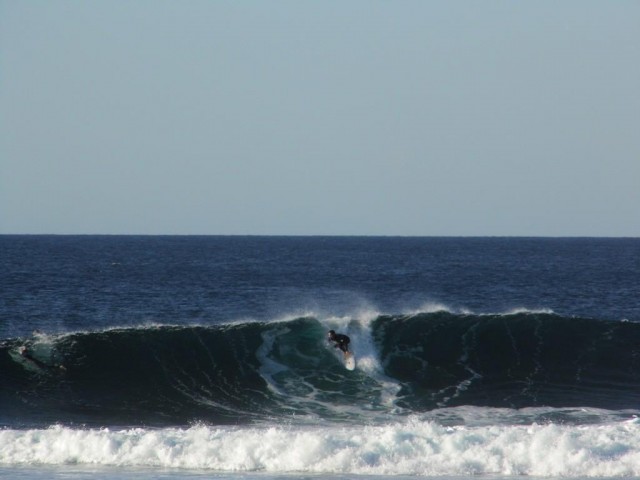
{"x":24,"y":352}
{"x":341,"y":341}
{"x":38,"y":363}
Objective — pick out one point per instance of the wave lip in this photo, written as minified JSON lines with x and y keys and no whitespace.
{"x":410,"y":448}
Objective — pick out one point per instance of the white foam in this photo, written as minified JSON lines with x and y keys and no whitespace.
{"x":534,"y":311}
{"x":435,"y":307}
{"x":268,"y":366}
{"x":411,"y":448}
{"x":431,"y":307}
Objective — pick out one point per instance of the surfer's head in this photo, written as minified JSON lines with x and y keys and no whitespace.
{"x":331,"y":334}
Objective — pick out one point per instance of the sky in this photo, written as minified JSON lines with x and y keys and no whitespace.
{"x":453,"y":118}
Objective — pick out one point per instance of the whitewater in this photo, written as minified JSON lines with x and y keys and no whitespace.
{"x":413,"y":447}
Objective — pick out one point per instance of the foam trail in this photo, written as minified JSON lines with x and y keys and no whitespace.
{"x":268,"y":366}
{"x":412,"y":448}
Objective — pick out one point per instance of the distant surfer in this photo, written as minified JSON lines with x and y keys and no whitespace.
{"x":38,"y":363}
{"x":25,"y":354}
{"x":341,"y":341}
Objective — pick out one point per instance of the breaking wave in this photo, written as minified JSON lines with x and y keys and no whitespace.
{"x":255,"y":373}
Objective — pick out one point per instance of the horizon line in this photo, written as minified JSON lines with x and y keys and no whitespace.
{"x":312,"y":235}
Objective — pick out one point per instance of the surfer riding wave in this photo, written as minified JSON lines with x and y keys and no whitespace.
{"x":341,"y":341}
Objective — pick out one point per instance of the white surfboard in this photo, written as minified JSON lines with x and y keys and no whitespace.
{"x":349,"y":361}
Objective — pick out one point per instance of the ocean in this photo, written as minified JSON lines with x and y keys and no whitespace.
{"x":183,"y":357}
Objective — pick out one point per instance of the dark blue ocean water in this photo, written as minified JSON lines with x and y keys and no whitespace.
{"x":202,"y":347}
{"x":59,"y":283}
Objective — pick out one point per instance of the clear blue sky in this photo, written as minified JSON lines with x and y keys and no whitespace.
{"x":326,"y":117}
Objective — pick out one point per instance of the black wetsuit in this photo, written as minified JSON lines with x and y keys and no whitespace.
{"x":341,"y":342}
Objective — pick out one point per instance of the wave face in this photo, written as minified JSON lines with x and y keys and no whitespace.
{"x":518,"y":360}
{"x":258,"y":372}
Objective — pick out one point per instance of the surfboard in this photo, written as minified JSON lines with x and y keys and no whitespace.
{"x":349,"y":361}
